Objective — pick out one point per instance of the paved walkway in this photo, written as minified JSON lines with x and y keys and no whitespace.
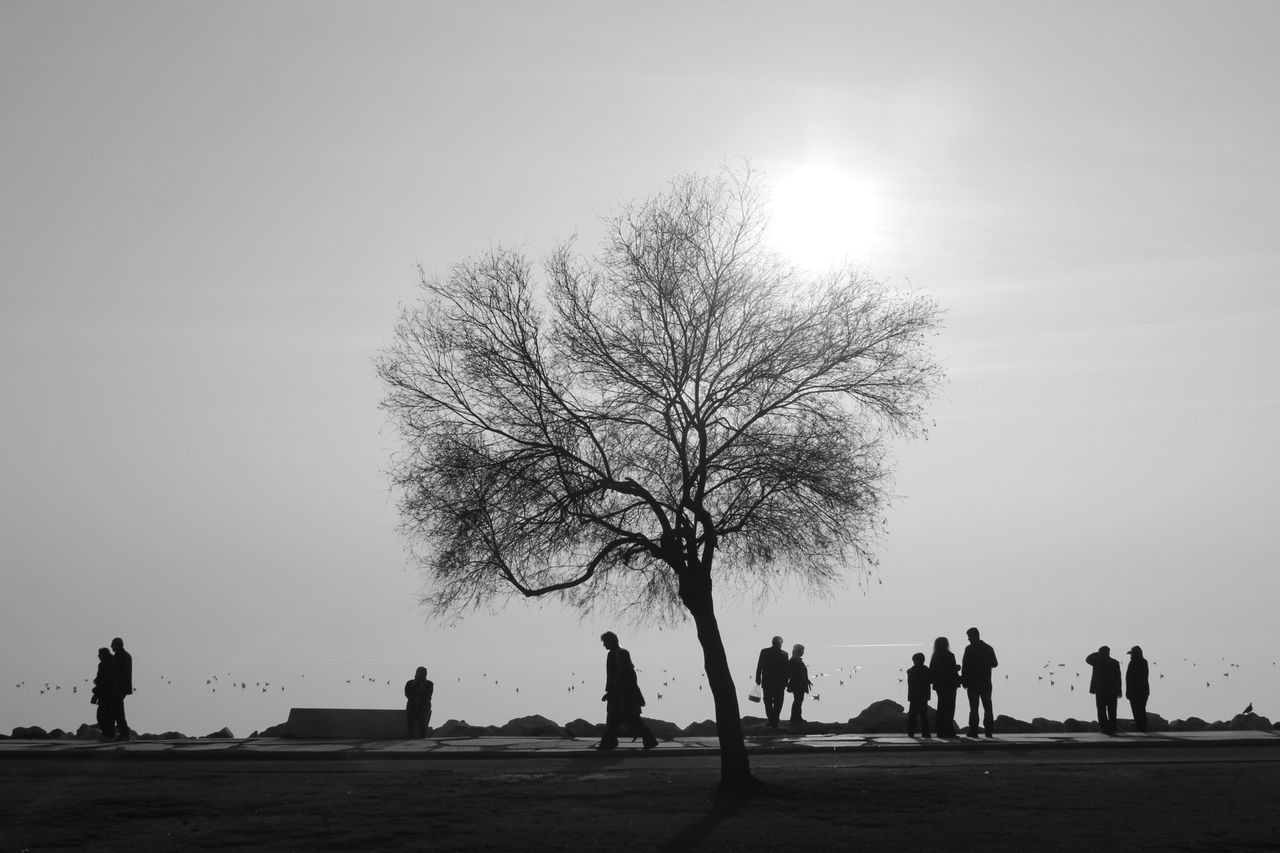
{"x":553,"y":747}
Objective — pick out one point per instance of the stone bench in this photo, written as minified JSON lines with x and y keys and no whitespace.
{"x":345,"y":723}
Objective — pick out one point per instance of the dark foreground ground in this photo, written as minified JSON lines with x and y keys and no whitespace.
{"x":1089,"y":799}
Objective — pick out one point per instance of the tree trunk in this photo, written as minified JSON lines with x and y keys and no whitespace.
{"x":735,"y":770}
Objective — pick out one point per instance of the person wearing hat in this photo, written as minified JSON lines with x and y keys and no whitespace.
{"x":1137,"y":687}
{"x":1105,"y":687}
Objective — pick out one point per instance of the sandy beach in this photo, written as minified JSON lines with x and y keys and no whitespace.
{"x":1208,"y":798}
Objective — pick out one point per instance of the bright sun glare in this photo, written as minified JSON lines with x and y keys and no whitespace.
{"x":823,"y":215}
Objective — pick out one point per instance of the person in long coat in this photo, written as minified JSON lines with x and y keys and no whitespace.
{"x":944,"y":674}
{"x":975,"y":674}
{"x":622,"y":697}
{"x":1137,"y":687}
{"x":798,"y":683}
{"x":417,"y":710}
{"x":1105,"y":686}
{"x":771,"y":675}
{"x":123,"y":684}
{"x":103,"y":694}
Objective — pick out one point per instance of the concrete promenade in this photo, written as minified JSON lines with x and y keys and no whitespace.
{"x":560,"y":747}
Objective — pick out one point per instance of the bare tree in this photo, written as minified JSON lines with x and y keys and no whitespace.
{"x":682,"y":410}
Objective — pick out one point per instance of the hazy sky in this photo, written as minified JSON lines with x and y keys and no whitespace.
{"x":210,"y":213}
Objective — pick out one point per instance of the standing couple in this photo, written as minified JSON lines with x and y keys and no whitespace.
{"x":113,"y":682}
{"x":777,"y":674}
{"x":974,"y":674}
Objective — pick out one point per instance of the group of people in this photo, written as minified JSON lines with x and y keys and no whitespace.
{"x":944,"y":676}
{"x":1106,"y":687}
{"x":112,"y":683}
{"x":778,"y":674}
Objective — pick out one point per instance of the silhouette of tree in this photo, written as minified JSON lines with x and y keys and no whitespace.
{"x":685,"y":409}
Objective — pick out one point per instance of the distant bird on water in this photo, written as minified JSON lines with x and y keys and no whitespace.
{"x":1248,"y":710}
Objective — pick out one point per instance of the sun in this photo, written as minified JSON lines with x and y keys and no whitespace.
{"x":823,"y":215}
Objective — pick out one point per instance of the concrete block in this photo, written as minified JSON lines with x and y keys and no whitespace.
{"x":353,"y":723}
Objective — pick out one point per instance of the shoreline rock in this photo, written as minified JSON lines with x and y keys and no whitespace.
{"x":883,"y":717}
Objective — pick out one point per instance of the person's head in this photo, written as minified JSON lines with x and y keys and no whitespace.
{"x":1136,"y":651}
{"x":1105,"y":651}
{"x":420,"y":673}
{"x":942,"y":644}
{"x":610,"y":640}
{"x":973,"y":635}
{"x":777,"y":642}
{"x":117,"y":644}
{"x":918,"y":658}
{"x":104,"y":653}
{"x":797,"y":650}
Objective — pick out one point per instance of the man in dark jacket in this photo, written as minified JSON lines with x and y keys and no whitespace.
{"x":622,"y":696}
{"x":1137,"y":686}
{"x":122,"y":665}
{"x":417,"y":710}
{"x":975,"y":674}
{"x":1104,"y":684}
{"x":771,"y":675}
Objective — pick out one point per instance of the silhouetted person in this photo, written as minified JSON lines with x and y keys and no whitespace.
{"x":975,"y":674}
{"x":918,"y":696}
{"x":1137,"y":687}
{"x":944,"y":674}
{"x":123,"y":686}
{"x":417,"y":709}
{"x":622,"y":695}
{"x":772,"y":672}
{"x":1104,"y":684}
{"x":104,"y":692}
{"x":798,"y":683}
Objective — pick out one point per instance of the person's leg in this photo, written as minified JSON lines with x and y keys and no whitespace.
{"x":106,"y":720}
{"x":974,"y":694}
{"x":1112,"y":704}
{"x":640,"y":727}
{"x":988,"y":716}
{"x":609,"y":740}
{"x":122,"y":726}
{"x":946,"y":712}
{"x":1139,"y":708}
{"x":797,"y":699}
{"x":408,"y":723}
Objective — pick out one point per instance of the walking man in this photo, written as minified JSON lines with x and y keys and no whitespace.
{"x":122,"y":666}
{"x":771,"y":675}
{"x":622,"y":696}
{"x":1104,"y":684}
{"x":975,"y":674}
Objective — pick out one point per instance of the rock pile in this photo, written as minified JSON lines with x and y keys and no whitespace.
{"x":883,"y":717}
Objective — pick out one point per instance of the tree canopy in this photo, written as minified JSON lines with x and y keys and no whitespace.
{"x":681,"y":409}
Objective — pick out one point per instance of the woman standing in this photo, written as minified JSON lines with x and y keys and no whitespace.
{"x":104,"y":691}
{"x":798,"y":683}
{"x":944,"y":673}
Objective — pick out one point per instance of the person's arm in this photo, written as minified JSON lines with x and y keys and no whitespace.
{"x":759,"y":667}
